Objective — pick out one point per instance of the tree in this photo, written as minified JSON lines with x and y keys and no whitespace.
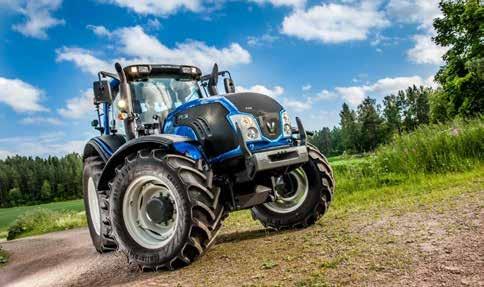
{"x":370,"y":123}
{"x":422,"y":108}
{"x":336,"y":142}
{"x":349,"y":128}
{"x":462,"y":76}
{"x":45,"y":191}
{"x":392,"y":114}
{"x":322,"y":140}
{"x":439,"y":107}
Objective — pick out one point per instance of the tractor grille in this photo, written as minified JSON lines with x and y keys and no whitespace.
{"x":264,"y":108}
{"x":270,"y":124}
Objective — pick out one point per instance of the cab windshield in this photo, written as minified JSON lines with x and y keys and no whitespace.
{"x":156,"y":97}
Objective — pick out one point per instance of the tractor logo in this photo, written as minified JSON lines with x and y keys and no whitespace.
{"x":271,"y":126}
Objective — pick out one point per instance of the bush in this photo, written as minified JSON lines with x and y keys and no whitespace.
{"x":40,"y":220}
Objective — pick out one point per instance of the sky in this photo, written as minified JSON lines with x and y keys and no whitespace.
{"x":312,"y":56}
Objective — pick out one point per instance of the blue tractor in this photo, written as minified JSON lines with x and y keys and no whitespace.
{"x":174,"y":158}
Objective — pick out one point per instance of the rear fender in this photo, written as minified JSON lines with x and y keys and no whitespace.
{"x":169,"y":143}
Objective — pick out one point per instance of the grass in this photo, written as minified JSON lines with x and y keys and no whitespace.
{"x":367,"y":238}
{"x":433,"y":149}
{"x":41,"y":220}
{"x":9,"y":215}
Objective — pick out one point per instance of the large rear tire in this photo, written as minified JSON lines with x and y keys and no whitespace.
{"x":164,"y":211}
{"x":305,"y":195}
{"x":95,"y":205}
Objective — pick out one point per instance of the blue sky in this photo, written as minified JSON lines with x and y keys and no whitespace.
{"x":310,"y":55}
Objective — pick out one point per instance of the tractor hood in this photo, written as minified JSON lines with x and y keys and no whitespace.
{"x":265,"y":109}
{"x":254,"y":103}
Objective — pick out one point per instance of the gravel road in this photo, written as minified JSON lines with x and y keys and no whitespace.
{"x":435,"y":244}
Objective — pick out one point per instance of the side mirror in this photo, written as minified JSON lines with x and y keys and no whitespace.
{"x":229,"y":85}
{"x":102,"y":92}
{"x":213,"y":81}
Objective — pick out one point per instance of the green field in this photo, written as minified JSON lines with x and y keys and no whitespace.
{"x":8,"y":215}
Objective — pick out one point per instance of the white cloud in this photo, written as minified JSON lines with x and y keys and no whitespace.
{"x":43,"y":145}
{"x":99,"y":30}
{"x":325,"y":95}
{"x":158,"y":7}
{"x":278,"y":3}
{"x":138,"y":47}
{"x":5,"y":153}
{"x":321,"y":118}
{"x":134,"y":42}
{"x":154,"y":24}
{"x":354,"y":95}
{"x":297,"y":105}
{"x":79,"y":107}
{"x":83,"y":59}
{"x":264,"y":40}
{"x":306,"y":87}
{"x":334,"y":23}
{"x":261,"y":89}
{"x":37,"y":120}
{"x":426,"y":51}
{"x":421,"y":12}
{"x":38,"y":14}
{"x":21,"y":96}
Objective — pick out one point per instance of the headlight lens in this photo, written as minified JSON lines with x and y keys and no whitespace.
{"x":286,"y":123}
{"x":248,"y":126}
{"x":252,"y":133}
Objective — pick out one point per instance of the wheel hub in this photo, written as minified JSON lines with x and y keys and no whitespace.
{"x":290,"y":192}
{"x":150,"y":211}
{"x":159,"y":210}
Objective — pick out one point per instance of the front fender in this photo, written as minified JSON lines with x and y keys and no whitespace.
{"x":169,"y":143}
{"x":103,"y":146}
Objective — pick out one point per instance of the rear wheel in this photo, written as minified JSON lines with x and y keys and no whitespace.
{"x":302,"y":195}
{"x":165,"y":213}
{"x":95,"y":205}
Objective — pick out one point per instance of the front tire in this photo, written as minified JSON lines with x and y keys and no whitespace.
{"x":308,"y":192}
{"x":165,"y":213}
{"x":95,"y":206}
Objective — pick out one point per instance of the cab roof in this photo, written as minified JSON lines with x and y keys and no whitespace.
{"x":142,"y":71}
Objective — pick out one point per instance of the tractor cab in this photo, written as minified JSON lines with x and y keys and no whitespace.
{"x":143,"y":95}
{"x":154,"y":91}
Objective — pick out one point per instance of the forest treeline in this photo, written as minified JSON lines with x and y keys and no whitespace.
{"x":28,"y":181}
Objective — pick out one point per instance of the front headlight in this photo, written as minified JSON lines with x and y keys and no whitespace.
{"x":248,"y":126}
{"x":286,"y":124}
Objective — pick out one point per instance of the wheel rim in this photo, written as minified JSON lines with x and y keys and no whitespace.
{"x":146,"y":206}
{"x":94,"y":206}
{"x":296,"y":186}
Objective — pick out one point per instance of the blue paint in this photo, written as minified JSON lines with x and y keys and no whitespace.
{"x":107,"y":128}
{"x":103,"y":146}
{"x":188,"y":150}
{"x":254,"y":146}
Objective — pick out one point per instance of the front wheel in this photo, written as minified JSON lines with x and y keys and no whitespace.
{"x":164,"y":211}
{"x":302,"y":195}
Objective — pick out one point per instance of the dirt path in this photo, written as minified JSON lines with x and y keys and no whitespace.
{"x":435,"y":244}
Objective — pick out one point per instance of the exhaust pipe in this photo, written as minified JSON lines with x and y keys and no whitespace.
{"x":125,"y":94}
